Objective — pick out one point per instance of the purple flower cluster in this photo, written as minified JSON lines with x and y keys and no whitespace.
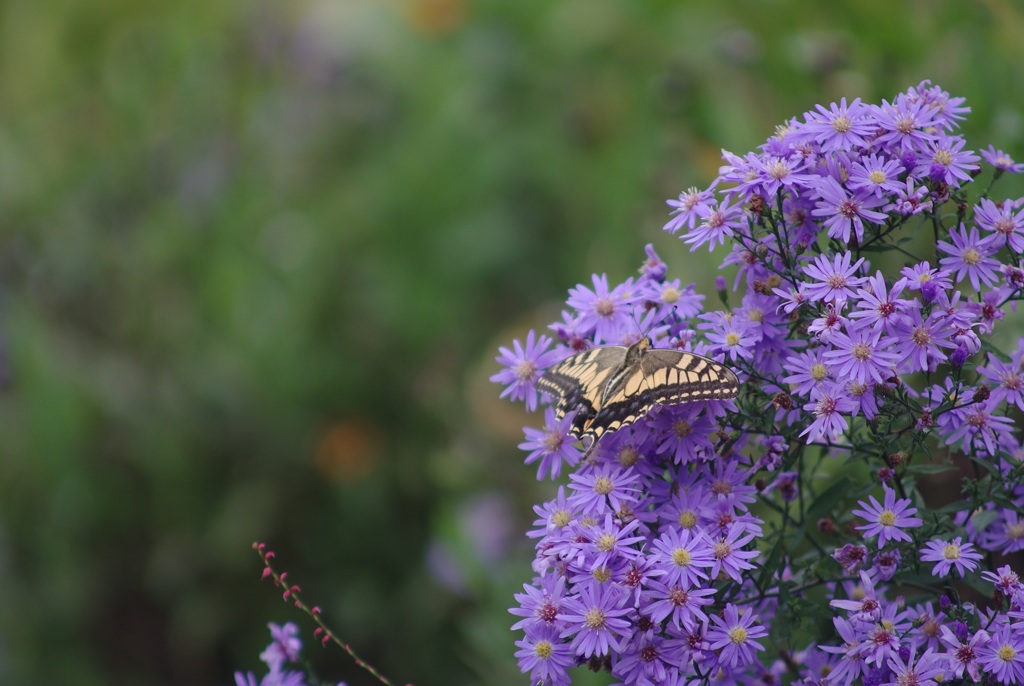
{"x":691,"y":544}
{"x":284,"y":648}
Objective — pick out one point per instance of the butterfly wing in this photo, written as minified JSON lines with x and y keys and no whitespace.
{"x":662,"y":377}
{"x":673,"y":376}
{"x":579,"y":383}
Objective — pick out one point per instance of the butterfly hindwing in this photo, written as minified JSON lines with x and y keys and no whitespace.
{"x":579,"y":381}
{"x":615,"y":386}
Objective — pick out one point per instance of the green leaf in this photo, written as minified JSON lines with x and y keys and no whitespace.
{"x":981,"y":519}
{"x":771,"y":564}
{"x":829,"y":498}
{"x":930,"y":468}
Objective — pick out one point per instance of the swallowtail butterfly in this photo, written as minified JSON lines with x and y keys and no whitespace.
{"x":613,"y":386}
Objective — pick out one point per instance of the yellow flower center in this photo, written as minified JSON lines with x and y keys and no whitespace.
{"x":602,"y":575}
{"x":877,"y":176}
{"x":561,"y":518}
{"x":722,"y":550}
{"x":628,"y":456}
{"x":552,"y":442}
{"x":687,"y":519}
{"x":543,"y":649}
{"x":681,"y":557}
{"x":738,"y":635}
{"x":670,"y":295}
{"x":1015,"y":531}
{"x":818,"y":371}
{"x":606,"y":543}
{"x":971,"y":257}
{"x":842,"y":124}
{"x":887,"y":518}
{"x":1006,"y":653}
{"x":732,"y":338}
{"x":779,"y":170}
{"x":951,"y":552}
{"x":594,"y":619}
{"x":943,"y":157}
{"x":603,"y":485}
{"x":861,"y":351}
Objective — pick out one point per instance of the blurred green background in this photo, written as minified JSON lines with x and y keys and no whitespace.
{"x":256,"y":259}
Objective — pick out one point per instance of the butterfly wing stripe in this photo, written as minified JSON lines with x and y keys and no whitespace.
{"x":607,"y":395}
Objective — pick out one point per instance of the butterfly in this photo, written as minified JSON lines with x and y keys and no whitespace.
{"x":616,"y":385}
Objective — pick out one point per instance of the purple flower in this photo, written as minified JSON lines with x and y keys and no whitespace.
{"x":877,"y":306}
{"x":540,"y":606}
{"x":595,"y":619}
{"x":840,"y":127}
{"x":876,"y":175}
{"x":887,"y":521}
{"x":732,"y":336}
{"x":611,"y":542}
{"x":851,"y":556}
{"x":950,"y":555}
{"x":919,"y":341}
{"x":284,"y":647}
{"x":862,"y":356}
{"x":1009,"y":381}
{"x":604,"y":485}
{"x":927,"y":670}
{"x":653,"y":661}
{"x":524,"y":367}
{"x":828,"y":404}
{"x":971,"y":257}
{"x":851,"y":664}
{"x":552,"y":445}
{"x":846,"y":212}
{"x":733,"y":633}
{"x":729,"y":556}
{"x":545,"y":656}
{"x":683,"y":432}
{"x":670,"y":297}
{"x":866,"y":607}
{"x":690,"y":208}
{"x":679,"y":603}
{"x":886,"y":564}
{"x":946,"y":161}
{"x":910,"y":199}
{"x":1001,"y":161}
{"x":1004,"y":220}
{"x":883,"y":640}
{"x":1005,"y":580}
{"x":835,"y":279}
{"x":778,"y":173}
{"x":602,"y":310}
{"x":683,"y":555}
{"x":719,"y":223}
{"x":980,"y":428}
{"x":920,"y":275}
{"x":1003,"y":655}
{"x":963,"y":652}
{"x":906,"y":124}
{"x":832,"y":322}
{"x":554,"y":516}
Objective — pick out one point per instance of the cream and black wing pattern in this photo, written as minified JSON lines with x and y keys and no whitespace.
{"x":616,"y":385}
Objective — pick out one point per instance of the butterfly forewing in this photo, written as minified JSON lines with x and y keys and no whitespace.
{"x":615,"y":386}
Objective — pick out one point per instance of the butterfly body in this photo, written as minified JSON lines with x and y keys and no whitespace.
{"x":616,"y":385}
